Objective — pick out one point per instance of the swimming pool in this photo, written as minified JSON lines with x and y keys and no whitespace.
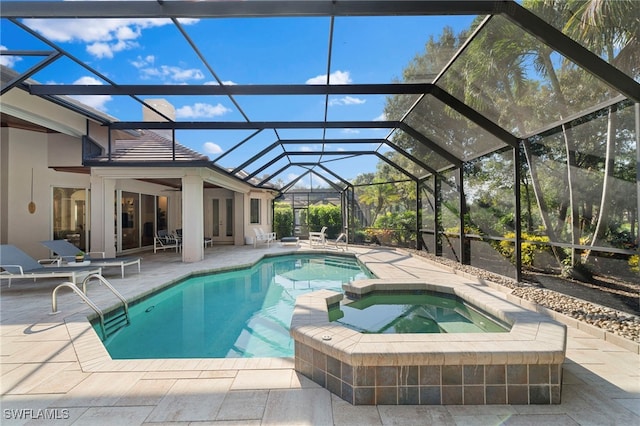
{"x":243,"y":313}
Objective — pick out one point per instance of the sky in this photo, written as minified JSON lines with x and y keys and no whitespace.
{"x":238,"y":51}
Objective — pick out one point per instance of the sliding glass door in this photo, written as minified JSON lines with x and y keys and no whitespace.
{"x":138,"y":218}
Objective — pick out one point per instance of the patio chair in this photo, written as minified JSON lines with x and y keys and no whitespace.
{"x":318,"y":238}
{"x":208,"y":241}
{"x":263,"y":237}
{"x":164,"y":240}
{"x":67,"y":251}
{"x":16,"y":264}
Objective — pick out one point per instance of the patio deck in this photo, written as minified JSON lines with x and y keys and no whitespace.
{"x":45,"y":373}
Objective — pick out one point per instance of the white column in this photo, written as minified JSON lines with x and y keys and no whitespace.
{"x":192,"y":219}
{"x":239,"y":219}
{"x":102,"y":215}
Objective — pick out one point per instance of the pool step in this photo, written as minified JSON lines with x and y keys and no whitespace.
{"x":115,"y":323}
{"x":341,"y":264}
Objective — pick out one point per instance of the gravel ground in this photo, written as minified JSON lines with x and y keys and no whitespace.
{"x":612,"y":320}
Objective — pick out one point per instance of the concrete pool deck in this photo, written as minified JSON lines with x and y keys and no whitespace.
{"x":45,"y":373}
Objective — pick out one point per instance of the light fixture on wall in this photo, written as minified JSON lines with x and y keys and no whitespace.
{"x":32,"y":206}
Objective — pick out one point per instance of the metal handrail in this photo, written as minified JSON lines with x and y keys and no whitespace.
{"x":104,"y":281}
{"x":76,"y":290}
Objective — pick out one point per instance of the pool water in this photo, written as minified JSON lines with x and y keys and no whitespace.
{"x":431,"y":312}
{"x":238,"y":314}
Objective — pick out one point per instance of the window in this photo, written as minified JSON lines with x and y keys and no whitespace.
{"x":255,"y":210}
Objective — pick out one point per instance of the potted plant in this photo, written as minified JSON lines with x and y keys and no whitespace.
{"x":80,"y":256}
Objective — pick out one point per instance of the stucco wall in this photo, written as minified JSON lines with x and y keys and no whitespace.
{"x":27,"y":151}
{"x":22,"y":150}
{"x":65,"y":150}
{"x":4,"y":183}
{"x":266,"y":220}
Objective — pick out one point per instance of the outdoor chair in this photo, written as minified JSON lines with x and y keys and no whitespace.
{"x":164,"y":241}
{"x":262,"y":237}
{"x":208,"y":241}
{"x":290,"y":240}
{"x":16,"y":264}
{"x":318,"y":238}
{"x":67,"y":252}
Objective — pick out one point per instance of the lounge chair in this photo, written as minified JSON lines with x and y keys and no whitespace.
{"x":16,"y":264}
{"x":163,"y":241}
{"x":263,"y":237}
{"x":318,"y":238}
{"x":290,"y":240}
{"x":67,"y":251}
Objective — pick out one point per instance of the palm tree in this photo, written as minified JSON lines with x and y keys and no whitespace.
{"x":610,"y":29}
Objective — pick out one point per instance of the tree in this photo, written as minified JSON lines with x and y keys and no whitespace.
{"x":612,"y":30}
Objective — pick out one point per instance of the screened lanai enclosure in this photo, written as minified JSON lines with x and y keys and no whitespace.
{"x":499,"y":134}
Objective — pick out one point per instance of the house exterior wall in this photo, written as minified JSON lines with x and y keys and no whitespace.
{"x":24,"y":150}
{"x":266,"y":219}
{"x":65,"y":150}
{"x":20,"y":151}
{"x":4,"y":183}
{"x":44,"y":113}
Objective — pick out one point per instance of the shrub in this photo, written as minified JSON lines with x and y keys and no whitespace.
{"x":325,"y":215}
{"x":283,"y":221}
{"x":395,"y":228}
{"x":529,"y":247}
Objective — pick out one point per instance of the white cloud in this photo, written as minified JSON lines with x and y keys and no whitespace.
{"x":291,"y":177}
{"x":347,"y":100}
{"x":173,"y":73}
{"x":211,"y":148}
{"x":351,"y":131}
{"x":201,"y":110}
{"x":103,"y":37}
{"x":95,"y":101}
{"x":106,"y":50}
{"x":148,"y":70}
{"x":141,"y":62}
{"x":338,"y":77}
{"x":381,"y":117}
{"x":6,"y":60}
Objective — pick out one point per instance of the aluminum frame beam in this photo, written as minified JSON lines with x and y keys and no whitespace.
{"x":49,"y":58}
{"x":255,"y":125}
{"x":251,"y":8}
{"x":330,"y":153}
{"x":238,"y":90}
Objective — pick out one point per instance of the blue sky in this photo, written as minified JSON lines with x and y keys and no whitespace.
{"x":240,"y":51}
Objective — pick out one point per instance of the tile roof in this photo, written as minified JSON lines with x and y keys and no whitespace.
{"x":150,"y":146}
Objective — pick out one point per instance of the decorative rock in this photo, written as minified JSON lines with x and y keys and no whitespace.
{"x":617,"y":322}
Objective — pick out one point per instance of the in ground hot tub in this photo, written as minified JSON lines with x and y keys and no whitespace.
{"x":414,"y":312}
{"x":521,"y":366}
